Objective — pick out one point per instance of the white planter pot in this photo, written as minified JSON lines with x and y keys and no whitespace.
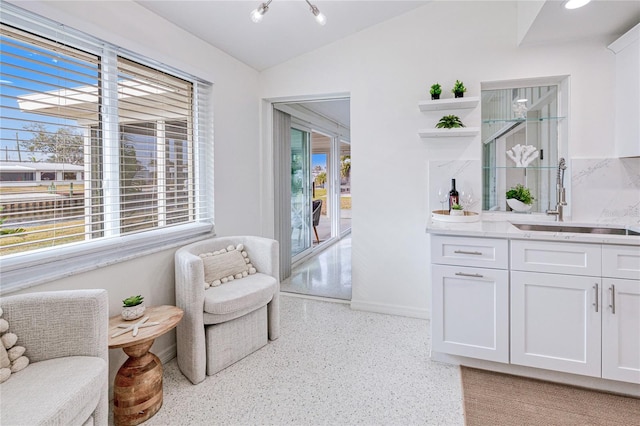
{"x":133,"y":312}
{"x":517,"y":205}
{"x":456,"y":212}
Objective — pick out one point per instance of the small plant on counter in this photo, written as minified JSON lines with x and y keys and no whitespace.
{"x":456,"y":207}
{"x":458,"y":89}
{"x":520,"y":193}
{"x":132,"y":301}
{"x":449,"y":122}
{"x":435,"y":91}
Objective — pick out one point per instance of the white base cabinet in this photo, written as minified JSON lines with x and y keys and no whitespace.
{"x":471,"y":312}
{"x":555,"y":305}
{"x":621,"y":330}
{"x":555,"y":322}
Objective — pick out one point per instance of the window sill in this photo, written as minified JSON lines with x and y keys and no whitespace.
{"x":21,"y":271}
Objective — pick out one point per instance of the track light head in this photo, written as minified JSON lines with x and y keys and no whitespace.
{"x":320,"y":18}
{"x":258,"y":13}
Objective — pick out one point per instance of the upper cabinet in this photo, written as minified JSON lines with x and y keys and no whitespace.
{"x":449,"y":105}
{"x":627,"y":93}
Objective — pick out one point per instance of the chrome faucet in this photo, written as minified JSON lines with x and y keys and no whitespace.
{"x":561,"y":200}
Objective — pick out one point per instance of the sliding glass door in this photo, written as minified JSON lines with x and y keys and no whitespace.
{"x":300,"y":191}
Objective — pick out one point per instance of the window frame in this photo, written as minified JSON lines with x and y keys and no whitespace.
{"x":26,"y":269}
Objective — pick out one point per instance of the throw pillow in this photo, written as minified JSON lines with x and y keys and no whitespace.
{"x":226,"y":265}
{"x":12,"y":357}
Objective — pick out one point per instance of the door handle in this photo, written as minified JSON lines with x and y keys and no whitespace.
{"x":612,"y":289}
{"x":597,"y":297}
{"x":462,"y":274}
{"x":475,"y":253}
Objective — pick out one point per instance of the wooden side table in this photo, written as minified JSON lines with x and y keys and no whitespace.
{"x":137,"y":388}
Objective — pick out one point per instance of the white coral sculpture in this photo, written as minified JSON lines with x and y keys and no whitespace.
{"x":522,"y":155}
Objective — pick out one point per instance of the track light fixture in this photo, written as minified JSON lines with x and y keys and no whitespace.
{"x":320,"y":18}
{"x":258,"y":13}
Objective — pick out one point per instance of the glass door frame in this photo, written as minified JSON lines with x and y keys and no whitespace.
{"x":304,"y":207}
{"x":333,"y":190}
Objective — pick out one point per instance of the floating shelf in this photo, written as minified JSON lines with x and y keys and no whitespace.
{"x":454,"y":103}
{"x":448,"y":133}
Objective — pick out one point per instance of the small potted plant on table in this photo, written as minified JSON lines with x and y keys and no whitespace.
{"x":519,"y":198}
{"x":132,"y":307}
{"x":458,"y":89}
{"x":456,"y":210}
{"x":435,"y":91}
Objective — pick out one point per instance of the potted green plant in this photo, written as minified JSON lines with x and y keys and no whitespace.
{"x":519,"y":198}
{"x":456,"y":210}
{"x":449,"y":122}
{"x":458,"y":89}
{"x":132,"y":307}
{"x":435,"y":91}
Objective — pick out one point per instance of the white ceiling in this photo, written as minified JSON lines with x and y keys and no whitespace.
{"x":599,"y":20}
{"x":289,"y":29}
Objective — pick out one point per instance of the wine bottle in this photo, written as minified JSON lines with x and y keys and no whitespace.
{"x":453,"y":194}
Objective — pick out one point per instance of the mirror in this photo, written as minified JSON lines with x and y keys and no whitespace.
{"x":524,"y":133}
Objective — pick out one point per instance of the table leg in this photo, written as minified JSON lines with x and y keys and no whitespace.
{"x":137,"y":389}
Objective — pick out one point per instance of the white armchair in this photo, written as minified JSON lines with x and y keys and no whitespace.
{"x":223,"y":324}
{"x":65,"y":336}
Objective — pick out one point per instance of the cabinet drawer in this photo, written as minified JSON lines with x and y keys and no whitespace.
{"x":556,"y":258}
{"x":480,"y":252}
{"x":621,"y":262}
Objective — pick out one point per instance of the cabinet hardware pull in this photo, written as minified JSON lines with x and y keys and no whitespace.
{"x":476,"y":253}
{"x":612,"y":289}
{"x":462,"y":274}
{"x":597,"y":301}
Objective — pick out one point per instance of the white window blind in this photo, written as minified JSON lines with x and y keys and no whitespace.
{"x":96,"y":143}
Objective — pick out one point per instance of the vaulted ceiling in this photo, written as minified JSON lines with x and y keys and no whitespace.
{"x":288,"y":28}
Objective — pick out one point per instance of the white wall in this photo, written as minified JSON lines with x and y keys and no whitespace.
{"x":236,"y":163}
{"x":388,"y":69}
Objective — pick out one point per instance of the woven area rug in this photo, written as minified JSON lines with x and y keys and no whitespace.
{"x":500,"y":399}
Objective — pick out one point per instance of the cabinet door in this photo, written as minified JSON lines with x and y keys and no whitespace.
{"x":556,"y":322}
{"x":621,"y":330}
{"x":470,"y":312}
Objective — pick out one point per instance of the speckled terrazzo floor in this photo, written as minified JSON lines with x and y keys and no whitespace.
{"x":331,"y":366}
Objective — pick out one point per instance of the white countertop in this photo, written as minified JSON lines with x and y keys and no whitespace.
{"x":500,"y":226}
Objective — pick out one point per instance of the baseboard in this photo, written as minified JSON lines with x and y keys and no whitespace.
{"x":385,"y":308}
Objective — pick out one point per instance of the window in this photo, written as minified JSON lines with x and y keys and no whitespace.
{"x":116,"y":144}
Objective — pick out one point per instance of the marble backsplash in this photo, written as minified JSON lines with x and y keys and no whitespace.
{"x":467,"y":176}
{"x":605,"y":190}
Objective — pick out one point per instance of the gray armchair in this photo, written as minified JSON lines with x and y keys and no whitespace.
{"x":223,"y":324}
{"x":65,"y":336}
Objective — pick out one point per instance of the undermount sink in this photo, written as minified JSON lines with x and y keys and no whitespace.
{"x":574,"y":228}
